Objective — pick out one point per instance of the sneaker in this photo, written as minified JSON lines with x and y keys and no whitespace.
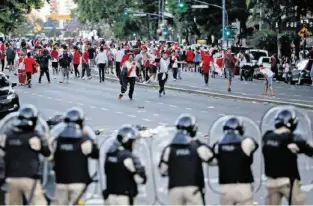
{"x":60,"y":81}
{"x":39,"y":82}
{"x":130,"y":98}
{"x":120,"y":96}
{"x":163,"y":92}
{"x":229,"y":89}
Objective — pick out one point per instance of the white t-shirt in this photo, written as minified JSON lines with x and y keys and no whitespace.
{"x":267,"y":72}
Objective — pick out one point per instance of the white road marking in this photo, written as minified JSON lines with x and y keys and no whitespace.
{"x":39,"y":95}
{"x":161,"y":123}
{"x":104,"y":109}
{"x":69,"y":102}
{"x":26,"y":92}
{"x":200,"y":133}
{"x":33,"y":94}
{"x":147,"y":120}
{"x":59,"y":99}
{"x":188,"y":108}
{"x":92,"y":107}
{"x":88,"y":119}
{"x":156,"y":115}
{"x":118,"y":112}
{"x":253,"y":102}
{"x":160,"y":103}
{"x":80,"y":103}
{"x":49,"y":97}
{"x":147,"y":101}
{"x":211,"y":107}
{"x":173,"y":106}
{"x":222,"y":115}
{"x":204,"y":111}
{"x":130,"y":115}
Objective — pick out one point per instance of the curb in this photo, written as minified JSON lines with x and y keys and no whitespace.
{"x":225,"y":96}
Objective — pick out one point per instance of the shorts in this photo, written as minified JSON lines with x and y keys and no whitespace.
{"x":228,"y":73}
{"x":10,"y":61}
{"x":197,"y":63}
{"x":268,"y":81}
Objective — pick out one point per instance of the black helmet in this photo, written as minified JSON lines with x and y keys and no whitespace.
{"x":286,"y":118}
{"x":126,"y":135}
{"x":54,"y":120}
{"x":233,"y":124}
{"x":27,"y":116}
{"x":187,"y":122}
{"x":74,"y":115}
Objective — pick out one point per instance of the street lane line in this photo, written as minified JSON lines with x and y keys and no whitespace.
{"x":104,"y":109}
{"x":80,"y":103}
{"x":156,"y":115}
{"x":161,"y":123}
{"x":222,"y":115}
{"x":59,"y":99}
{"x":160,"y":103}
{"x":92,"y":107}
{"x":188,"y":108}
{"x":173,"y":106}
{"x":118,"y":112}
{"x":130,"y":115}
{"x":147,"y":101}
{"x":211,"y":107}
{"x":69,"y":102}
{"x":33,"y":94}
{"x":49,"y":97}
{"x":147,"y":120}
{"x":39,"y":95}
{"x":204,"y":111}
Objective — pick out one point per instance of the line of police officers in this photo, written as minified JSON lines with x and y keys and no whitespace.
{"x":25,"y":138}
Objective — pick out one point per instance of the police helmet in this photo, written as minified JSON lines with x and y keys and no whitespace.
{"x":126,"y":135}
{"x":187,"y":122}
{"x":54,"y":120}
{"x":286,"y":118}
{"x":234,"y":124}
{"x":74,"y":115}
{"x":27,"y":116}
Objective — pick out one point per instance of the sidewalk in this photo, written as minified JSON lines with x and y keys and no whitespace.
{"x":192,"y":82}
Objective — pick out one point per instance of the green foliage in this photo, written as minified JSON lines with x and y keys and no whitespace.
{"x":12,"y":13}
{"x":266,"y":39}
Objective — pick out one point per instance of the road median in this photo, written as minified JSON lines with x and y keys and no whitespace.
{"x":221,"y":95}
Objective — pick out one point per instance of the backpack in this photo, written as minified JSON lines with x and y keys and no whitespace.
{"x":65,"y":60}
{"x":44,"y":61}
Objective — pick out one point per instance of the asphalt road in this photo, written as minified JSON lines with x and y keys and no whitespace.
{"x":104,"y":110}
{"x":283,"y":92}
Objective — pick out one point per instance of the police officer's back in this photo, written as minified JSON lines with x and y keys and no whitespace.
{"x":182,"y":161}
{"x":72,"y":146}
{"x":280,"y":150}
{"x":234,"y":153}
{"x":123,"y":169}
{"x":22,"y":145}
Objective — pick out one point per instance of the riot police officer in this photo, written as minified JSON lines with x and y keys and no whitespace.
{"x":73,"y":143}
{"x":234,"y":154}
{"x":182,"y":161}
{"x":280,"y":150}
{"x":123,"y":169}
{"x":24,"y":137}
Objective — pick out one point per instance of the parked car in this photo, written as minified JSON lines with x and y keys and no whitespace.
{"x":300,"y":73}
{"x":9,"y":99}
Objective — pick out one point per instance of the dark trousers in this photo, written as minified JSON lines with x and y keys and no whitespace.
{"x":131,"y":81}
{"x":101,"y":72}
{"x":206,"y":78}
{"x":85,"y":67}
{"x":162,"y":82}
{"x":76,"y":70}
{"x":29,"y":78}
{"x":175,"y":71}
{"x":118,"y":69}
{"x":2,"y":64}
{"x":44,"y":71}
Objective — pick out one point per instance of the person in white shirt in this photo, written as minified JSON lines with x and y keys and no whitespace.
{"x":268,"y":79}
{"x":118,"y":58}
{"x":128,"y":76}
{"x":101,"y":60}
{"x":163,"y":73}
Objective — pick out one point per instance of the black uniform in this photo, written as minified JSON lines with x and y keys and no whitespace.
{"x":44,"y":65}
{"x":71,"y":163}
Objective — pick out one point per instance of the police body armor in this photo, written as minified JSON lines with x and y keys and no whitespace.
{"x":115,"y":169}
{"x":68,"y":154}
{"x":232,"y":158}
{"x":15,"y":164}
{"x":185,"y":166}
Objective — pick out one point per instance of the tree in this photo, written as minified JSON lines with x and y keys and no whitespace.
{"x":13,"y":12}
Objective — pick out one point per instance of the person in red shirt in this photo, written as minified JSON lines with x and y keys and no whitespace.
{"x":206,"y":62}
{"x":85,"y":65}
{"x":29,"y":62}
{"x":55,"y":58}
{"x":189,"y":57}
{"x":125,"y":57}
{"x":76,"y":61}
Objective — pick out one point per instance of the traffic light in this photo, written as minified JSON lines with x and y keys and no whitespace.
{"x":229,"y":33}
{"x":126,"y":12}
{"x":181,"y":6}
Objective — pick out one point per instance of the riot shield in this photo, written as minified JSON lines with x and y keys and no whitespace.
{"x":142,"y":151}
{"x":251,"y":130}
{"x":303,"y":129}
{"x":9,"y":123}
